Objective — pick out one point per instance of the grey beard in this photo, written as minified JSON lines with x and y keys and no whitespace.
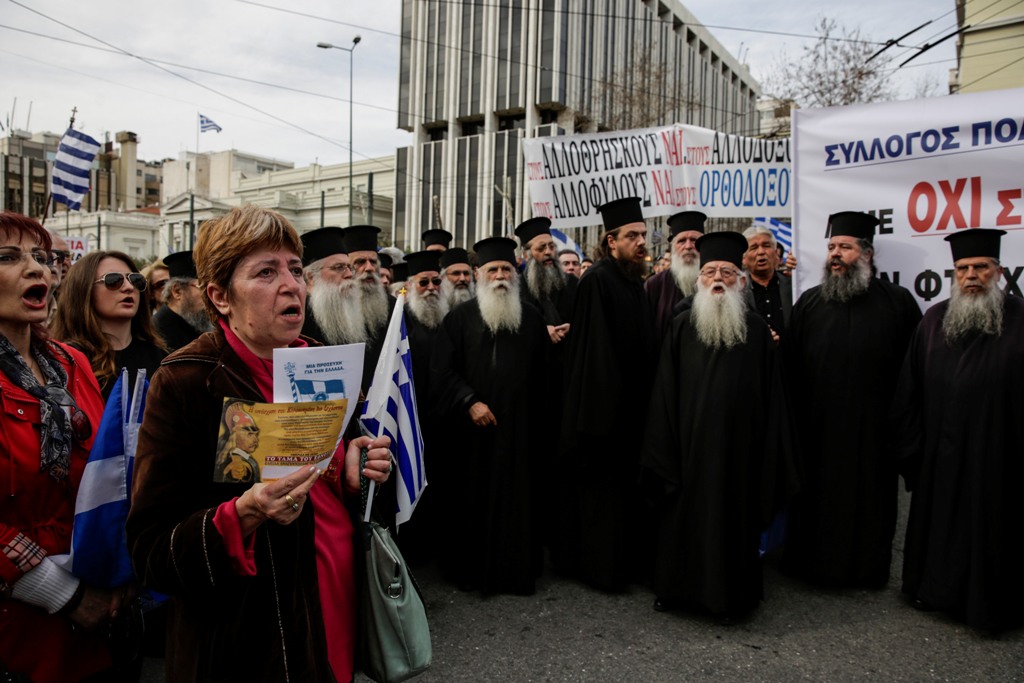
{"x":500,"y":309}
{"x":685,"y":274}
{"x":720,"y":321}
{"x":456,"y":295}
{"x":843,"y":287}
{"x":198,"y":320}
{"x":374,"y":302}
{"x":543,"y":281}
{"x":336,"y":310}
{"x":429,"y":308}
{"x":973,"y":313}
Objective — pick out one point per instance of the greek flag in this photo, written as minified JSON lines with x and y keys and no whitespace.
{"x":316,"y":390}
{"x":206,"y":124}
{"x":783,"y":233}
{"x":390,"y":409}
{"x":563,"y":241}
{"x":70,"y":181}
{"x":99,"y":549}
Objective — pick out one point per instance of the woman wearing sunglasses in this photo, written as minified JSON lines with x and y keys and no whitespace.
{"x":49,"y":620}
{"x":104,"y":312}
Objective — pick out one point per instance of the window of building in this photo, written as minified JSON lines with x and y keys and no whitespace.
{"x":512,"y":122}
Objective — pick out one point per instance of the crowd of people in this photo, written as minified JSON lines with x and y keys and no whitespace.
{"x":617,"y":425}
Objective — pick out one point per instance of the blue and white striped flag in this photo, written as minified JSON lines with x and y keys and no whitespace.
{"x":563,"y":241}
{"x":320,"y":390}
{"x":390,"y":409}
{"x":206,"y":124}
{"x":783,"y":233}
{"x":70,"y":180}
{"x":99,"y":548}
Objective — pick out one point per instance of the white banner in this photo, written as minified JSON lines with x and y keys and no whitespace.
{"x":925,"y":168}
{"x":672,"y":168}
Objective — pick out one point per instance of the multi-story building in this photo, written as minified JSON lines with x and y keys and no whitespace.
{"x":476,"y":78}
{"x":990,"y":49}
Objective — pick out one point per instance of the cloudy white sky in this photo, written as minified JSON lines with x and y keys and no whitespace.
{"x":55,"y":54}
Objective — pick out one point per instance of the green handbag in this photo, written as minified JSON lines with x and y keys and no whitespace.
{"x":393,"y":636}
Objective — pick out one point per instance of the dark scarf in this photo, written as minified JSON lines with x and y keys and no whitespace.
{"x":55,"y":436}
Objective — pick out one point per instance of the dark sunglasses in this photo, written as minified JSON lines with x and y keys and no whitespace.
{"x":115,"y":280}
{"x":59,"y":255}
{"x":81,"y":428}
{"x":423,"y":282}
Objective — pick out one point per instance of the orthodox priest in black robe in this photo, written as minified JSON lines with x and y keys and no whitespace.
{"x":716,"y":454}
{"x":666,"y":289}
{"x":961,"y":408}
{"x":609,"y":369}
{"x":490,"y":372}
{"x":844,"y":349}
{"x":183,"y":316}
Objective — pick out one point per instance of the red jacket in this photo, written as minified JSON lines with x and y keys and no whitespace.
{"x":35,"y":504}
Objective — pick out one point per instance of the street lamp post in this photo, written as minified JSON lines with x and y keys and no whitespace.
{"x":351,"y":59}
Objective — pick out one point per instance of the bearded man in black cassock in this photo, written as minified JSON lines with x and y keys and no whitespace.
{"x":490,"y":363}
{"x":844,"y":350}
{"x":716,"y":472}
{"x":669,"y":287}
{"x":961,"y":406}
{"x":609,"y":368}
{"x":547,"y":287}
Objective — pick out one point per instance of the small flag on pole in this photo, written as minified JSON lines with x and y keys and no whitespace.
{"x":563,"y":242}
{"x":390,"y":409}
{"x":783,"y":233}
{"x":71,"y":168}
{"x":206,"y":124}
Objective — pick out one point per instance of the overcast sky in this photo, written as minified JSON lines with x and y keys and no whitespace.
{"x":50,"y":66}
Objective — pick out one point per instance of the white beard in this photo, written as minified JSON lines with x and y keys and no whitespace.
{"x":456,"y":295}
{"x":429,"y":308}
{"x":843,"y":287}
{"x":974,"y":312}
{"x":500,"y":306}
{"x":720,"y":319}
{"x":336,"y":309}
{"x":685,"y":274}
{"x":374,"y":301}
{"x":544,"y":281}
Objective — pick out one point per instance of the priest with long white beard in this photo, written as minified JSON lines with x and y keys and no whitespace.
{"x":669,"y":287}
{"x":490,"y":361}
{"x":716,"y":476}
{"x":457,"y":285}
{"x":547,"y":286}
{"x":333,"y":311}
{"x":960,"y":404}
{"x":375,"y":303}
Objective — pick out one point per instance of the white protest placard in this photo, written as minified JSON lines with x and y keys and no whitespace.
{"x":78,"y":246}
{"x":925,"y":168}
{"x":671,"y":168}
{"x":319,"y":373}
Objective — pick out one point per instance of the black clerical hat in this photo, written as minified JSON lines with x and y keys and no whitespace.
{"x":422,"y":261}
{"x":385,"y":259}
{"x":686,"y":220}
{"x":969,"y":243}
{"x":180,"y":264}
{"x":852,"y":224}
{"x":436,"y":236}
{"x":321,"y":243}
{"x":453,"y":256}
{"x":495,"y":249}
{"x":621,"y":212}
{"x":722,"y":246}
{"x":360,"y":238}
{"x":400,"y":272}
{"x":527,"y":230}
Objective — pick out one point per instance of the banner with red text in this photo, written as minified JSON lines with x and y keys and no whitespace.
{"x":926,"y":168}
{"x":671,"y":168}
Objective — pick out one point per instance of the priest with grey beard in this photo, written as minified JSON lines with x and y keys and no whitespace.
{"x":333,"y":313}
{"x":457,"y":285}
{"x":375,"y":303}
{"x":960,"y":405}
{"x":183,"y":317}
{"x":845,"y":346}
{"x":547,"y":287}
{"x":490,"y":365}
{"x":665,"y":290}
{"x":715,"y":473}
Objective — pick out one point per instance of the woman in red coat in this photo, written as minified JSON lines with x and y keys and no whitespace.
{"x":50,"y":622}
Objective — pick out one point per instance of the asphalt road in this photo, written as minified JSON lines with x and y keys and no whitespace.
{"x":568,"y":632}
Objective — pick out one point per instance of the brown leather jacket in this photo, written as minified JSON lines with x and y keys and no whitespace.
{"x":221,"y":626}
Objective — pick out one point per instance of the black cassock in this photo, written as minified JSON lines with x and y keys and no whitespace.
{"x":489,"y":536}
{"x":716,"y":463}
{"x":961,"y":408}
{"x":311,"y":329}
{"x":174,"y":330}
{"x":609,"y":368}
{"x":843,"y":361}
{"x":556,"y":309}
